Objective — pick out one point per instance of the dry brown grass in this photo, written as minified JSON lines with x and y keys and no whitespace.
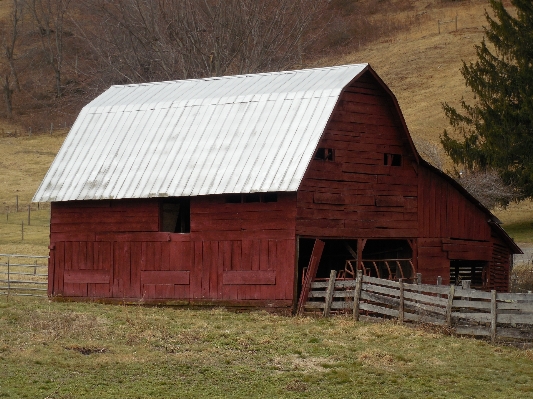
{"x":25,"y":161}
{"x":421,"y":66}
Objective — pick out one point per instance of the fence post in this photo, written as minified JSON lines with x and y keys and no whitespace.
{"x":438,"y":23}
{"x":29,"y":212}
{"x":22,"y":229}
{"x":17,"y":204}
{"x":465,"y":285}
{"x":449,"y":306}
{"x":493,"y":316}
{"x":357,"y":294}
{"x":439,"y":282}
{"x":329,"y":292}
{"x":8,"y":279}
{"x":400,"y":310}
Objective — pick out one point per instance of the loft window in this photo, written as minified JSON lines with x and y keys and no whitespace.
{"x":252,"y":197}
{"x":324,"y":154}
{"x":176,"y":216}
{"x":392,"y":159}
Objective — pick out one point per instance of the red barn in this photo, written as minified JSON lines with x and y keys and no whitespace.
{"x":215,"y":190}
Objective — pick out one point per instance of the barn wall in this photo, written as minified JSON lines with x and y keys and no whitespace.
{"x":356,"y":195}
{"x":235,"y":252}
{"x":445,"y":212}
{"x":499,"y":266}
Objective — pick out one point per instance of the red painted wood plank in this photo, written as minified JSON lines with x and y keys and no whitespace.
{"x":287,"y":285}
{"x":221,"y":235}
{"x":103,"y":227}
{"x":213,"y":269}
{"x":59,"y":268}
{"x":135,"y":270}
{"x":196,"y":273}
{"x":205,"y":270}
{"x":247,"y":277}
{"x":141,"y":237}
{"x":180,"y":277}
{"x":74,"y":236}
{"x":51,"y":270}
{"x":227,"y":291}
{"x":87,"y":276}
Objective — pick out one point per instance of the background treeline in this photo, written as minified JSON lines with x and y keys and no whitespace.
{"x":56,"y":55}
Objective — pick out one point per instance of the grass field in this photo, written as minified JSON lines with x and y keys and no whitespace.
{"x":87,"y":350}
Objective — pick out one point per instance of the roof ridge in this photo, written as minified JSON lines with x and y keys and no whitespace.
{"x":238,"y":76}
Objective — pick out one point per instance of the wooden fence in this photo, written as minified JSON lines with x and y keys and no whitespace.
{"x":467,"y":311}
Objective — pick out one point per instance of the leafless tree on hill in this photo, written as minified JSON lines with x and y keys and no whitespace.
{"x":9,"y":35}
{"x":49,"y":18}
{"x":146,"y":40}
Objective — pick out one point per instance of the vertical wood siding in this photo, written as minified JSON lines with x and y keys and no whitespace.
{"x":234,"y":252}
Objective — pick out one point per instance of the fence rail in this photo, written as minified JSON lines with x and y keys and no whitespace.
{"x":23,"y":275}
{"x":467,"y":311}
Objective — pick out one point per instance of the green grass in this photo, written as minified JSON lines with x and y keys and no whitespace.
{"x":520,"y":231}
{"x":151,"y":352}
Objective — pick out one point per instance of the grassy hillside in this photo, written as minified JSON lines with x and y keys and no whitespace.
{"x":420,"y":65}
{"x":69,"y":350}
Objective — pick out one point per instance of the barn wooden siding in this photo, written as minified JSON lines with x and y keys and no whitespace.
{"x":234,"y":252}
{"x":246,"y":253}
{"x":357,"y":196}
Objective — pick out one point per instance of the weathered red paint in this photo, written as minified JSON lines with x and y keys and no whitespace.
{"x":245,"y":253}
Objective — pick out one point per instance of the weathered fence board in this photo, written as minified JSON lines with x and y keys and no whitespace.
{"x":471,"y":312}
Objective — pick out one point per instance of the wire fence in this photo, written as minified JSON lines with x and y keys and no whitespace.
{"x":23,"y":275}
{"x":24,"y":221}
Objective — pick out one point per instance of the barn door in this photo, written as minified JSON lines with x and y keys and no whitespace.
{"x":311,"y":274}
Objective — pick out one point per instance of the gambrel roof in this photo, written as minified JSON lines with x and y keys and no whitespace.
{"x":233,"y":134}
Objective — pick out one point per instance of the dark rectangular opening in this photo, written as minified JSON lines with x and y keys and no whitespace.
{"x":175,"y":214}
{"x":324,"y":154}
{"x":270,"y":197}
{"x":251,"y":197}
{"x":473,"y":270}
{"x":233,"y":199}
{"x":392,"y":159}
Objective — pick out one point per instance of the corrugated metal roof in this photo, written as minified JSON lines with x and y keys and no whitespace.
{"x":234,"y":134}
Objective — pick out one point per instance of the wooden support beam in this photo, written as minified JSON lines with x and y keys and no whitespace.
{"x":310,"y":275}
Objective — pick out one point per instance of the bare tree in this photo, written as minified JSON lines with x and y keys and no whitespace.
{"x":488,"y":188}
{"x":49,"y":18}
{"x":9,"y":34}
{"x":144,"y":40}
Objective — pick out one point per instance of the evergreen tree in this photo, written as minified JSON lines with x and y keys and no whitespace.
{"x":497,"y":130}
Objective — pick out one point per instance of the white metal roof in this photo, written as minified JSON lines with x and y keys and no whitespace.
{"x":233,"y":134}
